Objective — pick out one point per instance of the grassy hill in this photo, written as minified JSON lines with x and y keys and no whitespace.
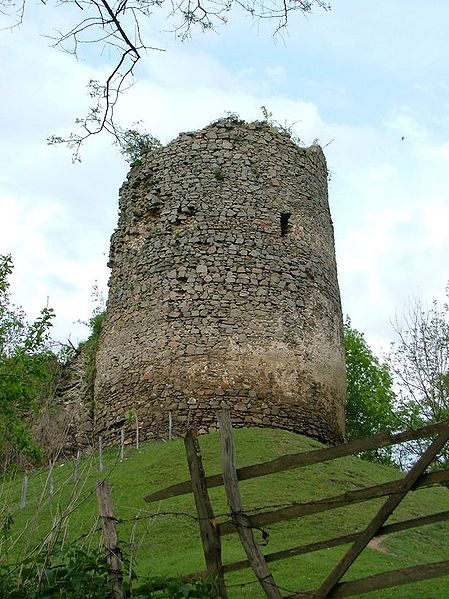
{"x":163,"y":538}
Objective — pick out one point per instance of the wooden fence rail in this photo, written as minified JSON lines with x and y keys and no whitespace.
{"x":382,"y":515}
{"x":296,"y":460}
{"x":336,"y":541}
{"x":329,"y":503}
{"x":394,"y":492}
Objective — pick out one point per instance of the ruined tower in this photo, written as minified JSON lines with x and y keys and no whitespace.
{"x":223,"y":289}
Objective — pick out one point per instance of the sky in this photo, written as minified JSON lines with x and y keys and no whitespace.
{"x":368,"y":80}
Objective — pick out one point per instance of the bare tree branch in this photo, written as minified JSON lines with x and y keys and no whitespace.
{"x":420,"y":363}
{"x":117,"y":25}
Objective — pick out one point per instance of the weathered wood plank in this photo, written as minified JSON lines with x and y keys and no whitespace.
{"x":110,"y":539}
{"x":382,"y":515}
{"x":413,"y":523}
{"x":252,"y":549}
{"x":298,"y":510}
{"x":390,"y":579}
{"x":208,"y":526}
{"x":336,"y":541}
{"x":23,"y":493}
{"x":384,"y":580}
{"x":296,"y":460}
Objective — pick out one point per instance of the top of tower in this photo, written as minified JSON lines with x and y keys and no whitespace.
{"x":222,"y":128}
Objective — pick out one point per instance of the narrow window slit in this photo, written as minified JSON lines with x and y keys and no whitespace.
{"x":284,"y":223}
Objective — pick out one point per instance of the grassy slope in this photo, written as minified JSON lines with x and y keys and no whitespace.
{"x":169,"y":544}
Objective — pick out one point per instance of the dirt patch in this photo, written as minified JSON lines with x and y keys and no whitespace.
{"x":378,"y":545}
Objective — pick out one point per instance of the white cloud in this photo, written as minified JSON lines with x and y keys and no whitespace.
{"x":55,"y":218}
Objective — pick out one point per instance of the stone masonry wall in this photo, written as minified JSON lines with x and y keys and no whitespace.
{"x":223,"y":289}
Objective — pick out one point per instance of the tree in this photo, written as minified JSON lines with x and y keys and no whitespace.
{"x":25,"y":369}
{"x":370,"y":396}
{"x":419,"y":360}
{"x":117,"y":28}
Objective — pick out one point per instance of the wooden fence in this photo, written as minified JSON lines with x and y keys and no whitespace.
{"x":243,"y":524}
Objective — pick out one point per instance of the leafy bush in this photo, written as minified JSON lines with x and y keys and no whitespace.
{"x":76,"y":572}
{"x":134,"y":144}
{"x":26,"y":368}
{"x":69,"y":574}
{"x":175,"y":588}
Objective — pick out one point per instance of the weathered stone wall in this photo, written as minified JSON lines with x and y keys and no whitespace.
{"x":218,"y":298}
{"x":65,"y":423}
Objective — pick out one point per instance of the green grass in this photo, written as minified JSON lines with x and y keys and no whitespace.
{"x":166,"y":543}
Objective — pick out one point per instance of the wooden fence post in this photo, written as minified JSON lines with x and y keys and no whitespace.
{"x":76,"y":465}
{"x":51,"y":482}
{"x":137,"y":431}
{"x":252,"y":549}
{"x":208,"y":526}
{"x":23,"y":494}
{"x":110,"y":540}
{"x":100,"y":454}
{"x":122,"y":444}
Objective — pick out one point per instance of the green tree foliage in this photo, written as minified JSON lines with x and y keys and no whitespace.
{"x":419,"y":360}
{"x":370,"y":396}
{"x":26,"y":364}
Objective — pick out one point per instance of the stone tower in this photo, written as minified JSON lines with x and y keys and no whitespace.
{"x":223,"y":289}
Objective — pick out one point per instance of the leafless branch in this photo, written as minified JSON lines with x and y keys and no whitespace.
{"x":116,"y":24}
{"x":420,"y":362}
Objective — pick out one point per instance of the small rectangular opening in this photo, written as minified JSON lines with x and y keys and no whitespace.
{"x":284,"y":223}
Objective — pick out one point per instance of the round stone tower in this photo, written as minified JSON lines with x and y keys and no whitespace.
{"x":223,"y":290}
